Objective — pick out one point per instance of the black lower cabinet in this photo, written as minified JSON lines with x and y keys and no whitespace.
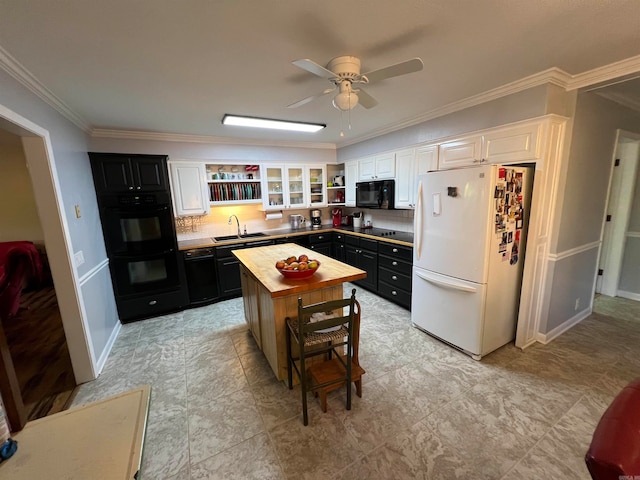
{"x":228,"y":267}
{"x":394,"y":273}
{"x":363,"y":253}
{"x":321,"y":243}
{"x":338,"y":247}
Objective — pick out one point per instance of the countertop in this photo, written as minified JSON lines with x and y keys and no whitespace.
{"x":101,"y":440}
{"x":385,"y":235}
{"x":260,"y":261}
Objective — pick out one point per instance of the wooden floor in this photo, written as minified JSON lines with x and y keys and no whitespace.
{"x":40,"y":355}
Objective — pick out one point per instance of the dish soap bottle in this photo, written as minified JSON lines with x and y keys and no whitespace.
{"x":8,"y":446}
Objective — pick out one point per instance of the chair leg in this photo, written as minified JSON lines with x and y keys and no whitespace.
{"x":303,"y":387}
{"x":358,"y":383}
{"x":323,"y":400}
{"x":349,"y":380}
{"x":289,"y":360}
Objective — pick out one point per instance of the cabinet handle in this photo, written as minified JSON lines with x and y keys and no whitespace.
{"x":393,"y":277}
{"x":393,"y":292}
{"x":320,"y":237}
{"x":138,"y":188}
{"x":395,"y":250}
{"x":153,"y":302}
{"x":395,"y":264}
{"x":130,"y":188}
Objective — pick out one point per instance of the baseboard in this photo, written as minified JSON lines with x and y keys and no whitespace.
{"x":545,"y":338}
{"x":107,"y":348}
{"x":629,"y":295}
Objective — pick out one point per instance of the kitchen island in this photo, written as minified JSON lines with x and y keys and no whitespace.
{"x":269,"y":297}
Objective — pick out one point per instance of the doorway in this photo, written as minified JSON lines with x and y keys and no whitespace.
{"x":38,"y":152}
{"x":622,"y":221}
{"x":33,"y":326}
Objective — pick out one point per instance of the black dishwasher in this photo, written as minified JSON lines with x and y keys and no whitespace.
{"x":200,"y":267}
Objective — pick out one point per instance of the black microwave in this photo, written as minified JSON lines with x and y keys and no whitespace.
{"x":376,"y":194}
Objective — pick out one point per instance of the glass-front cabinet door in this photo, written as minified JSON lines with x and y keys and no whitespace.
{"x":274,"y":186}
{"x":296,"y":187}
{"x":317,"y":186}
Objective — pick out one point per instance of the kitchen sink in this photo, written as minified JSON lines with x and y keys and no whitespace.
{"x":235,"y":237}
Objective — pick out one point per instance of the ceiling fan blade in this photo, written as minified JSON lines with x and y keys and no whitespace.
{"x":312,"y":67}
{"x":366,"y":100}
{"x":304,"y":101}
{"x":402,"y":68}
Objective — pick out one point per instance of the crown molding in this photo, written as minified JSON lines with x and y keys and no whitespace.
{"x":628,"y":66}
{"x":623,"y":100}
{"x":26,"y":78}
{"x":554,"y":76}
{"x":185,"y":138}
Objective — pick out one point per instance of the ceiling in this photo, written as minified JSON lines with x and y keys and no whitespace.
{"x":178,"y":66}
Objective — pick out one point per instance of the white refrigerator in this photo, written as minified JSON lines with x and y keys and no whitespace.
{"x":469,"y":239}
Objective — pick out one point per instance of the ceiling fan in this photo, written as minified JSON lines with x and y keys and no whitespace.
{"x":344,"y":72}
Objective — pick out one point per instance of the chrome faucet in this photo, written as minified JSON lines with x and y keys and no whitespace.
{"x":237,"y":222}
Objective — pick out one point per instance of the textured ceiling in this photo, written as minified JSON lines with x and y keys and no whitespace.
{"x":178,"y":66}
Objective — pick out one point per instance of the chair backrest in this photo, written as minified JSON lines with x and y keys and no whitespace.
{"x":335,"y":307}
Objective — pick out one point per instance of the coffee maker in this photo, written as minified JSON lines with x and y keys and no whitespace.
{"x":336,"y":213}
{"x":316,"y":218}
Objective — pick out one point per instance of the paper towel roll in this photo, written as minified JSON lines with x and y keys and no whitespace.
{"x":273,"y":216}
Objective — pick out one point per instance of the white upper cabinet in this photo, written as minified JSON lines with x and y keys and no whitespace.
{"x":294,"y":186}
{"x":513,"y":144}
{"x":350,"y":179}
{"x":377,"y":167}
{"x":189,"y":188}
{"x":426,"y":159}
{"x":316,"y":178}
{"x":405,"y":168}
{"x":459,"y":152}
{"x":409,"y":164}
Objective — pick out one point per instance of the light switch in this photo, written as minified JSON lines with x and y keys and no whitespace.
{"x":78,"y":215}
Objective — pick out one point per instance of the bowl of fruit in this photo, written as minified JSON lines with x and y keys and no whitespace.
{"x":297,"y":267}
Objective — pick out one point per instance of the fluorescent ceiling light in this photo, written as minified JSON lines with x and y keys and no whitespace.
{"x":269,"y":123}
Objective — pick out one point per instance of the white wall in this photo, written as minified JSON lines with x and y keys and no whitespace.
{"x":578,"y":230}
{"x":512,"y":108}
{"x":18,"y":215}
{"x":216,"y":152}
{"x":69,"y":146}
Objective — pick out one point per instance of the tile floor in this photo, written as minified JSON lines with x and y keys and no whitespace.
{"x":427,"y":412}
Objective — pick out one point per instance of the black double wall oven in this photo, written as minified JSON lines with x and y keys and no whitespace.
{"x":139,"y":232}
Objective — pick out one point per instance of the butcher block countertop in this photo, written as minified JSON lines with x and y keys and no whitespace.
{"x":260,"y":261}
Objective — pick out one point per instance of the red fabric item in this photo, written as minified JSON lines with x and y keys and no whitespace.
{"x":614,"y":452}
{"x":20,"y":265}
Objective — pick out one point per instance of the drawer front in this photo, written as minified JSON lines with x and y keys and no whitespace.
{"x":316,"y":238}
{"x":352,"y":240}
{"x":401,"y":297}
{"x":367,"y":244}
{"x":225,"y":251}
{"x":394,"y":264}
{"x":338,"y":237}
{"x":394,"y":278}
{"x":395,"y":251}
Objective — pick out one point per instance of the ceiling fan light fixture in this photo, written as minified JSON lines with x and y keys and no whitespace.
{"x":345,"y":101}
{"x":270,"y":123}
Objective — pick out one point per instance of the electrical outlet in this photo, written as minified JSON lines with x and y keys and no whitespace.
{"x":79,"y":258}
{"x":577,"y":304}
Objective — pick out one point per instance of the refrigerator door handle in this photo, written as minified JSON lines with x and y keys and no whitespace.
{"x":453,"y":285}
{"x":418,"y":214}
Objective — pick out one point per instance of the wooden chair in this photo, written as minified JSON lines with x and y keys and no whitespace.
{"x":322,"y":373}
{"x":322,"y":337}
